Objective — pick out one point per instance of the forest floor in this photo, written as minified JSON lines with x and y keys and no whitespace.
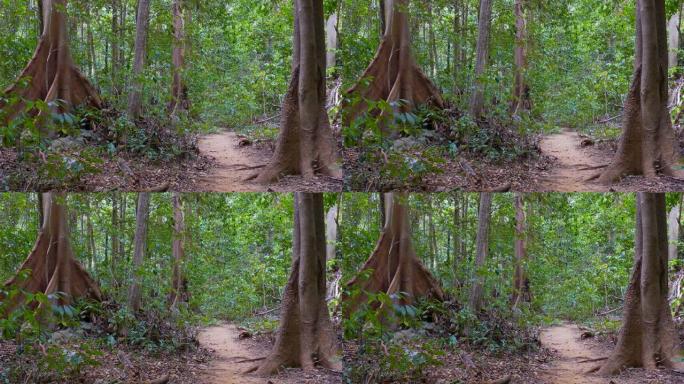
{"x":560,"y":162}
{"x":234,"y":158}
{"x":233,"y":354}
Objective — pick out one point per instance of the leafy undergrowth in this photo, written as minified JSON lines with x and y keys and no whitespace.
{"x":96,"y":150}
{"x":92,"y":342}
{"x":387,"y":149}
{"x":433,"y":339}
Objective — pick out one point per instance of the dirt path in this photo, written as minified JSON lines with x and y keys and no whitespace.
{"x":225,"y":369}
{"x":575,"y":164}
{"x":565,"y":341}
{"x":233,"y":164}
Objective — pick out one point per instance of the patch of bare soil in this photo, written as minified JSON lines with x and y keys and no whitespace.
{"x":573,"y":357}
{"x":233,"y":355}
{"x":576,"y":162}
{"x":236,"y":158}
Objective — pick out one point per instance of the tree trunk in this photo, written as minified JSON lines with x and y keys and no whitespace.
{"x":306,"y":144}
{"x":484,"y":30}
{"x":521,"y":90}
{"x":141,"y":218}
{"x":51,"y":262}
{"x":141,"y":26}
{"x":673,"y":40}
{"x":52,"y":73}
{"x":305,"y":334}
{"x":394,"y":75}
{"x":647,"y":146}
{"x":647,"y":338}
{"x":179,"y":285}
{"x":395,"y":267}
{"x":331,"y":41}
{"x":179,"y":91}
{"x":484,"y":218}
{"x":521,"y":283}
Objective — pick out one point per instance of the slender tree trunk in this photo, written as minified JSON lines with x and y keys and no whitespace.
{"x":484,"y":30}
{"x":179,"y":91}
{"x":141,"y":26}
{"x":521,"y":91}
{"x":116,"y":5}
{"x":647,"y":338}
{"x":647,"y":146}
{"x":484,"y":218}
{"x":141,"y":218}
{"x":306,"y":334}
{"x":306,"y":144}
{"x":179,"y":292}
{"x":394,"y":264}
{"x":52,"y":264}
{"x":521,"y":283}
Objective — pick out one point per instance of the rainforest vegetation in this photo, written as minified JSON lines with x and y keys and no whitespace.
{"x":457,"y":287}
{"x":230,"y":96}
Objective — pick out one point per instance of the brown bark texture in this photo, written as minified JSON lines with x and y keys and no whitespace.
{"x":140,"y":244}
{"x":179,"y":90}
{"x":142,"y":22}
{"x":51,"y":73}
{"x":51,"y":262}
{"x":521,"y":90}
{"x":393,"y":75}
{"x":179,"y":284}
{"x":482,"y":241}
{"x":484,"y":27}
{"x":647,"y":146}
{"x":306,"y":145}
{"x":521,"y":282}
{"x":394,"y":264}
{"x":647,"y":338}
{"x":306,"y":336}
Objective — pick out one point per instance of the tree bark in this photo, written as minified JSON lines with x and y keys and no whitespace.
{"x":179,"y":91}
{"x":521,"y":283}
{"x":140,"y":241}
{"x":484,"y":31}
{"x":53,"y":266}
{"x":521,"y":90}
{"x":394,"y":75}
{"x":395,"y":267}
{"x":484,"y":218}
{"x":306,"y":144}
{"x":647,"y":338}
{"x":52,"y":73}
{"x":647,"y":146}
{"x":305,"y":335}
{"x":142,"y":23}
{"x":179,"y":291}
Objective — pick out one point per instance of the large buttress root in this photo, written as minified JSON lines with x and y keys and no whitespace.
{"x":395,"y":267}
{"x":51,"y":74}
{"x":287,"y":159}
{"x":51,"y":262}
{"x":647,"y":144}
{"x":393,"y":74}
{"x":306,"y":145}
{"x":647,"y":337}
{"x":306,"y":336}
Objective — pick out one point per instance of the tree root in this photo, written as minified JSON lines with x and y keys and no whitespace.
{"x":504,"y":380}
{"x":592,"y":360}
{"x":162,"y":380}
